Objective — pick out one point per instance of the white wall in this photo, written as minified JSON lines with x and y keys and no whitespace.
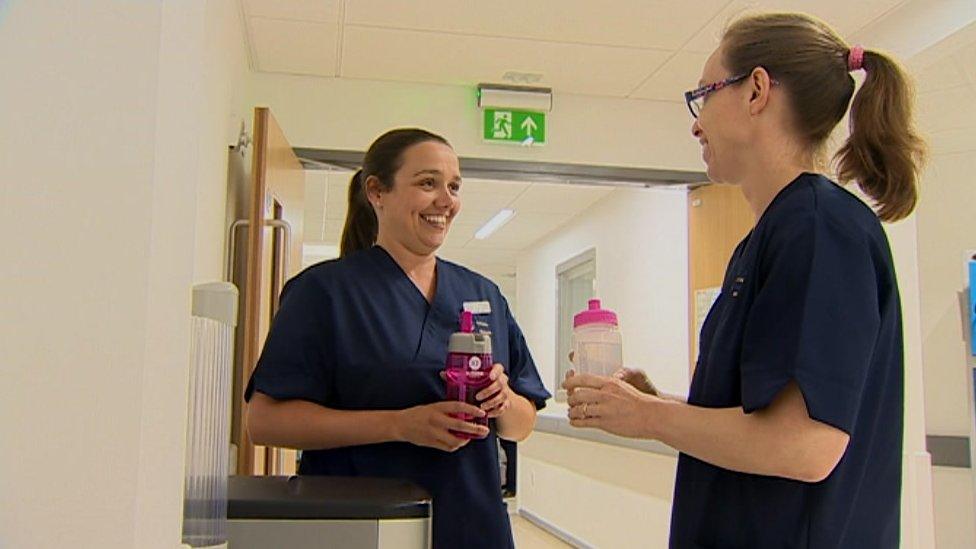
{"x":102,"y":148}
{"x":640,"y":236}
{"x":349,"y":114}
{"x":947,"y":115}
{"x":916,"y":500}
{"x":604,"y":495}
{"x":224,"y":59}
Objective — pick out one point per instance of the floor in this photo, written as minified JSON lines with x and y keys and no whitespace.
{"x":530,"y":536}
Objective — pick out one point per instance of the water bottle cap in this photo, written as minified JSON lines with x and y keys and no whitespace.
{"x":467,"y":322}
{"x":595,"y":315}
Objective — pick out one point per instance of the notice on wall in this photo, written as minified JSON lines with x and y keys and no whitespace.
{"x":704,"y":299}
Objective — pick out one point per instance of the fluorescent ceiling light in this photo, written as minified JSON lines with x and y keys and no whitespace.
{"x":495,"y":223}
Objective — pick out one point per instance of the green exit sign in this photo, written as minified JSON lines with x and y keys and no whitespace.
{"x":514,"y":126}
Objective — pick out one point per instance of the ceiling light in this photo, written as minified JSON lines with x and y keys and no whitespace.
{"x":495,"y":223}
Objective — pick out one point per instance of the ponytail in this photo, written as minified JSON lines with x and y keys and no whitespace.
{"x":360,"y":229}
{"x":884,"y":153}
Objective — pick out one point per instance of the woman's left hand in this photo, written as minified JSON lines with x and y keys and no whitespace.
{"x":610,"y":404}
{"x":497,"y":396}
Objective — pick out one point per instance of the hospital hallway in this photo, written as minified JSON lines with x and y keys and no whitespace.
{"x":378,"y":242}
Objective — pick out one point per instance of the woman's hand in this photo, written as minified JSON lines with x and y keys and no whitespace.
{"x":496,"y":397}
{"x":610,"y":404}
{"x":430,"y":425}
{"x":637,"y":378}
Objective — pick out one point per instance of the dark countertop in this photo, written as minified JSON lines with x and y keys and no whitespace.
{"x":326,"y":498}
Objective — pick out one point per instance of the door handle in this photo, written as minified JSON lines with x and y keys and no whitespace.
{"x":232,"y":243}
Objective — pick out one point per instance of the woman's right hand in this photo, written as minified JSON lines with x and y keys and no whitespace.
{"x":430,"y":425}
{"x":638,"y":379}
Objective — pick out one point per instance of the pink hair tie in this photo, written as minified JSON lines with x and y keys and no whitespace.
{"x":855,"y":59}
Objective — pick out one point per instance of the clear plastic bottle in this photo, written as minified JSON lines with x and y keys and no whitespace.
{"x":597,"y":346}
{"x":469,"y":362}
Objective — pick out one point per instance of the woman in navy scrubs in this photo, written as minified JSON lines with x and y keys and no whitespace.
{"x":350,"y":370}
{"x":791,"y":435}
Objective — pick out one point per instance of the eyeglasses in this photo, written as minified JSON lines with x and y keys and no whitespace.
{"x":696,"y":98}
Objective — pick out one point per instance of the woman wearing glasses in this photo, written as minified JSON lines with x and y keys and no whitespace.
{"x":791,"y":435}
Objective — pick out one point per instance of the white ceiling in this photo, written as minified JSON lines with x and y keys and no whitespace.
{"x":540,"y":208}
{"x":637,"y":49}
{"x":641,"y":49}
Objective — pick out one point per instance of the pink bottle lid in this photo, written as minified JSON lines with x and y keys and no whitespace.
{"x":467,"y":322}
{"x":595,"y":315}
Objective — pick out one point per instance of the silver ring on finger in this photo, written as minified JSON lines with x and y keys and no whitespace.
{"x":585,"y":404}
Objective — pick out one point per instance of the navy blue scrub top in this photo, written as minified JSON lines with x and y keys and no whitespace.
{"x":356,"y":334}
{"x":809,"y":296}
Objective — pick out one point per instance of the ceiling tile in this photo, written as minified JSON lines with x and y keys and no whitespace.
{"x":522,"y":231}
{"x":482,"y":199}
{"x":677,"y":76}
{"x":559,"y":198}
{"x":475,"y":217}
{"x":844,"y":16}
{"x":934,"y":117}
{"x":633,"y":23}
{"x":966,"y":61}
{"x":489,"y":193}
{"x":294,"y":47}
{"x":460,"y":233}
{"x":940,"y":76}
{"x":303,"y":10}
{"x":412,"y":56}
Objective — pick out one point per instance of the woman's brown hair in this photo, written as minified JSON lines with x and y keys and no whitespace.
{"x":883,"y":153}
{"x":383,"y":159}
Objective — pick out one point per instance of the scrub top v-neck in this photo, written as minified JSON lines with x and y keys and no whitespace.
{"x":809,"y":297}
{"x":357,"y":334}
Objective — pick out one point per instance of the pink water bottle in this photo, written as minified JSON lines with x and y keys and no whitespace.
{"x":597,"y":348}
{"x":468,"y":365}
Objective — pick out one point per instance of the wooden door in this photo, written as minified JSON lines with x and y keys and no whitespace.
{"x":274,"y":254}
{"x":718,"y":219}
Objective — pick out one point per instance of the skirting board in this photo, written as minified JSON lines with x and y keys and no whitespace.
{"x":554,"y":530}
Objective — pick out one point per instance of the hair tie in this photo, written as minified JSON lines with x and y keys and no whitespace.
{"x":855,"y":59}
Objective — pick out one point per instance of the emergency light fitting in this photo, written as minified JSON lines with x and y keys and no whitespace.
{"x":504,"y":96}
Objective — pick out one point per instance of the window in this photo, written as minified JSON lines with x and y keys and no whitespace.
{"x":575,"y":283}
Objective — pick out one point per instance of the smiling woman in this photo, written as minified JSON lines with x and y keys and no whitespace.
{"x":796,"y":404}
{"x":429,"y":156}
{"x":351,"y":369}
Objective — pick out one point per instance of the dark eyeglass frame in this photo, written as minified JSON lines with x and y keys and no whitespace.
{"x":691,"y":97}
